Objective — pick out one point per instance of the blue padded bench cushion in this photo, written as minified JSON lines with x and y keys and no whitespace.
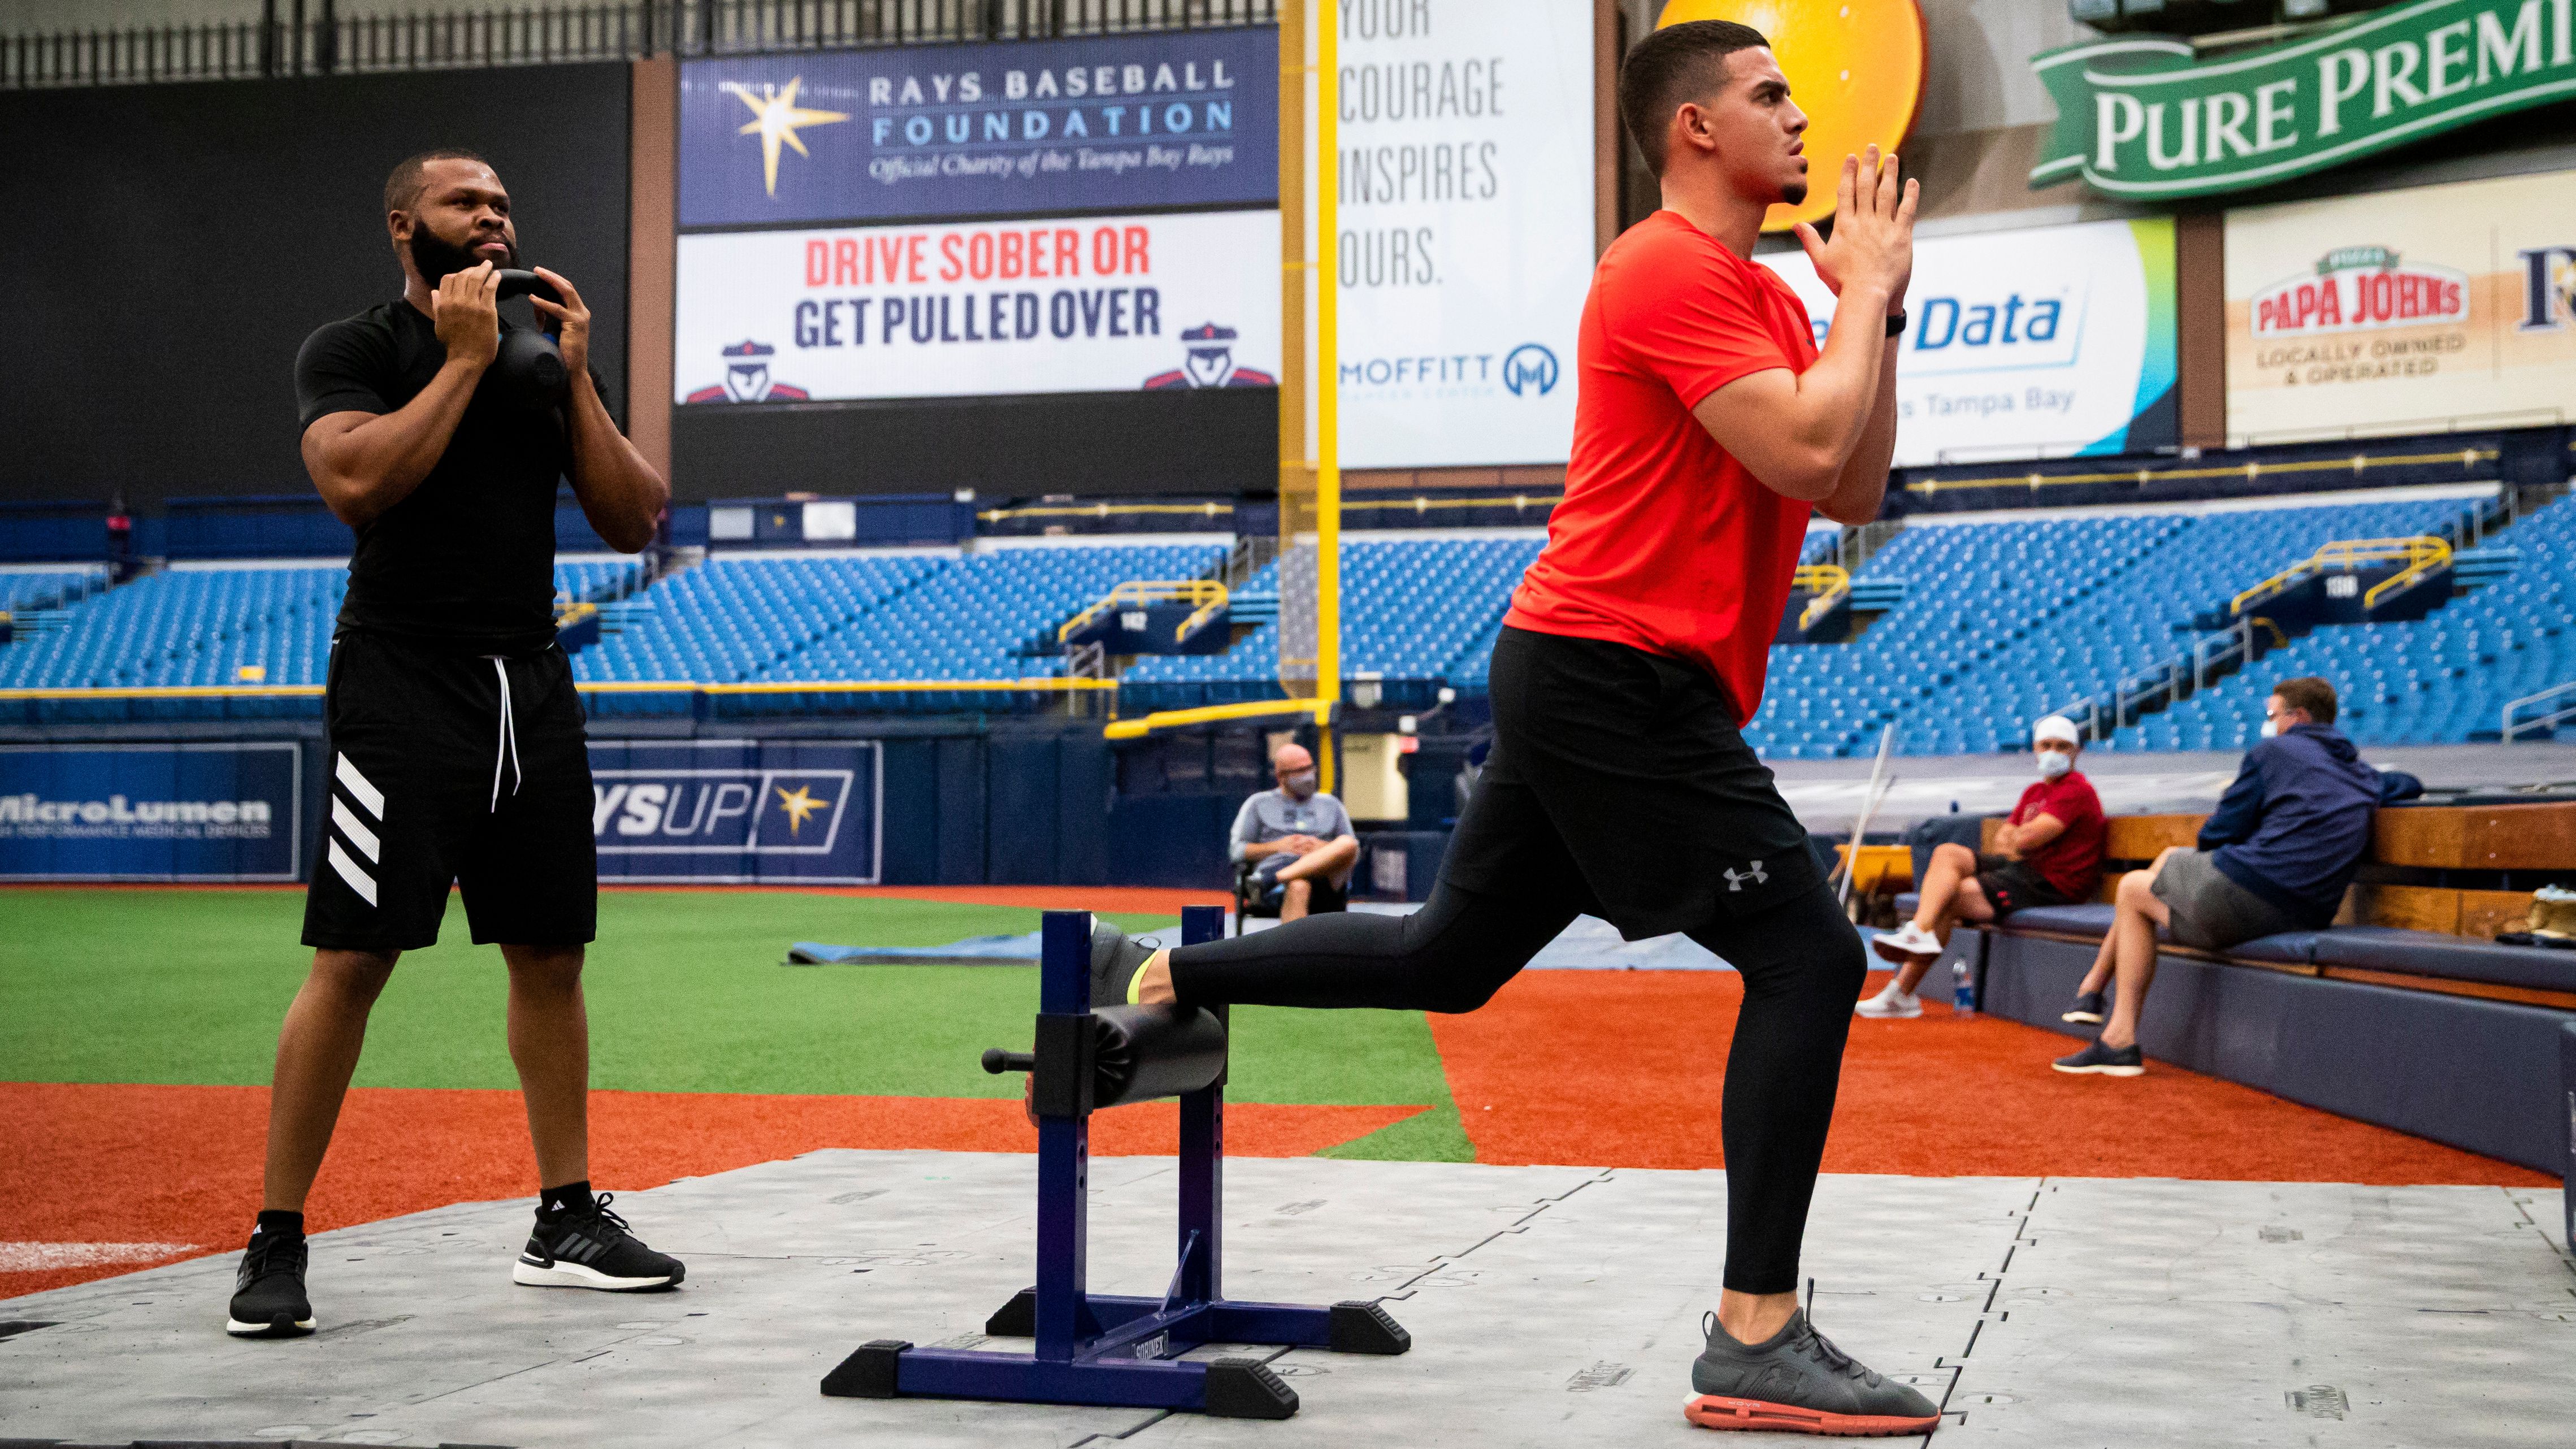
{"x":2452,"y":958}
{"x":2091,"y":919}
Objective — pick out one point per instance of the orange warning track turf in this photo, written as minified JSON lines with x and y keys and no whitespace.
{"x":1595,"y":1067}
{"x":140,"y":1164}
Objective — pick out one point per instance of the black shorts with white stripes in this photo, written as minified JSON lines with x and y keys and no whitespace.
{"x":453,"y":768}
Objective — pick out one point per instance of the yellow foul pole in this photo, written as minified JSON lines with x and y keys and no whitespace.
{"x":1328,"y":437}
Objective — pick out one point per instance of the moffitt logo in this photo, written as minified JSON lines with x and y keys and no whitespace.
{"x":2361,"y":289}
{"x":765,"y":812}
{"x":1529,"y":370}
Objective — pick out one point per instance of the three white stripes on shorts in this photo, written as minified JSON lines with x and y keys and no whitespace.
{"x":355,"y":830}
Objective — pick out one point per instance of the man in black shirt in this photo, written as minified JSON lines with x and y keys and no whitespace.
{"x":456,"y":736}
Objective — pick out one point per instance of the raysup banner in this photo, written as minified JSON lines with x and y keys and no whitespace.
{"x":2437,"y":306}
{"x":1466,"y":228}
{"x":2047,"y":342}
{"x":1101,"y":304}
{"x":738,"y":811}
{"x":210,"y":812}
{"x":2148,"y":116}
{"x":1125,"y":123}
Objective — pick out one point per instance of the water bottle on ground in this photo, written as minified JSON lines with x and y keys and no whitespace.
{"x":1963,"y":990}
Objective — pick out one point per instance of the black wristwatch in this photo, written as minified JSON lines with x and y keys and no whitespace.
{"x":1896,"y":324}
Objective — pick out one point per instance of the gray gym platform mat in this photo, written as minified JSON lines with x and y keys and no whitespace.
{"x":1549,"y":1306}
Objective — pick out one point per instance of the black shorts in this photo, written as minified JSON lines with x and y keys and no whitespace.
{"x":2012,"y":885}
{"x":1322,"y":896}
{"x":1620,"y":777}
{"x":431,"y":786}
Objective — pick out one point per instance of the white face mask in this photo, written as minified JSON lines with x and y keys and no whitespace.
{"x":1301,"y":784}
{"x":2052,"y":764}
{"x":2271,"y":727}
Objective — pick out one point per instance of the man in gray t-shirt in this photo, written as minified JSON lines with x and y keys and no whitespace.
{"x":1299,"y":839}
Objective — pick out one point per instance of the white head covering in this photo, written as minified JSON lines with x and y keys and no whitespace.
{"x":2056,"y":727}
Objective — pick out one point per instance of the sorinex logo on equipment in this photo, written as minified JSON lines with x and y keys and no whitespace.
{"x":674,"y":812}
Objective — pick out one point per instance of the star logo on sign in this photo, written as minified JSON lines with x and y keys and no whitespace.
{"x":774,"y":118}
{"x":798,"y":805}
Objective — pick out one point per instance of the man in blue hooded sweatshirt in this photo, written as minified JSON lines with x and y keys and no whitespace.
{"x":2275,"y":856}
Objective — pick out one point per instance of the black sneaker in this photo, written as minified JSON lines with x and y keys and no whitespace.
{"x":1797,"y":1382}
{"x":593,"y":1249}
{"x":1115,"y":960}
{"x":2088,"y":1009}
{"x":2101,"y":1060}
{"x":268,"y":1297}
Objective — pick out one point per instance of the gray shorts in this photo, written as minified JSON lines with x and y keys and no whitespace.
{"x":2211,"y":912}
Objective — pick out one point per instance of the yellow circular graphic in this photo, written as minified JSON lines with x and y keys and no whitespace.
{"x":1854,"y":66}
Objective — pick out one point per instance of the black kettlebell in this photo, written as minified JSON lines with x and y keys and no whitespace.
{"x":529,"y":369}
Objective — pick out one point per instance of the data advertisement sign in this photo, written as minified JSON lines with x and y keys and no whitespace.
{"x":1466,"y":228}
{"x":2433,"y":307}
{"x":1097,"y":304}
{"x":161,"y":812}
{"x":2048,"y":342}
{"x":737,"y":811}
{"x":1034,"y":128}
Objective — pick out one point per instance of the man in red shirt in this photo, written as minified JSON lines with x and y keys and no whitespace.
{"x":1707,"y":429}
{"x":2049,"y":853}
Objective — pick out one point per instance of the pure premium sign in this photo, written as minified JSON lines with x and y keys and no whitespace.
{"x":2148,"y":117}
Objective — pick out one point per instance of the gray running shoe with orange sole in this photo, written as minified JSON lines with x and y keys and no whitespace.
{"x":1797,"y":1382}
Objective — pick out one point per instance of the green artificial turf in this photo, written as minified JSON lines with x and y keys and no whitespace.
{"x":685,"y":990}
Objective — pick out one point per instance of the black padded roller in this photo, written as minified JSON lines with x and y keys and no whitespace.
{"x":1145,"y":1052}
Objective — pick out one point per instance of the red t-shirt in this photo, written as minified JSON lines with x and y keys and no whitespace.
{"x":2073,"y":861}
{"x":1664,"y":541}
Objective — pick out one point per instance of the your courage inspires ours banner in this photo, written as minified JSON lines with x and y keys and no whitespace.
{"x":1131,"y":123}
{"x":2145,"y":117}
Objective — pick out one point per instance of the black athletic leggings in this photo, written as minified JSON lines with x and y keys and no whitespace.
{"x":1802,"y":967}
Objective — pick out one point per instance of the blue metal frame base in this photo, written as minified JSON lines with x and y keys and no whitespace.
{"x":1106,"y":1349}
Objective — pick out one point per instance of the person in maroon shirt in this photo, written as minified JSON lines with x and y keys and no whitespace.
{"x":1708,"y":428}
{"x":2049,"y":853}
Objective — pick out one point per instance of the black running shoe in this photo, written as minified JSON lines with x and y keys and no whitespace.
{"x":268,"y":1297}
{"x":1797,"y":1382}
{"x":2088,"y":1009}
{"x":1115,"y":960}
{"x":593,"y":1249}
{"x":2105,"y":1061}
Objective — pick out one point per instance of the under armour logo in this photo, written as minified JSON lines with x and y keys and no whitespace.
{"x":1735,"y":881}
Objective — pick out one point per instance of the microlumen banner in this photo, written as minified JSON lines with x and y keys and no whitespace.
{"x":2146,"y":116}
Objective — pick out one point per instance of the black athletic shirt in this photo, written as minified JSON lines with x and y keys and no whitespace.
{"x":468,"y":557}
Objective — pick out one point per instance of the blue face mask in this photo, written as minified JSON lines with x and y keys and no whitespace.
{"x":2052,"y":764}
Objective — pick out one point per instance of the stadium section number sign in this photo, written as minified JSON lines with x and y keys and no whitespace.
{"x":737,"y":811}
{"x":211,"y":812}
{"x":2440,"y":305}
{"x":2148,"y":117}
{"x":1132,"y":123}
{"x":2046,"y":342}
{"x":1466,"y":228}
{"x":1097,"y":304}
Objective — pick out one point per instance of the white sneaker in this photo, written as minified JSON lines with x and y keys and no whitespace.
{"x":1890,"y":1002}
{"x":1906,"y":943}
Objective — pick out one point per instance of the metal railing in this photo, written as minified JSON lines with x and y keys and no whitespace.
{"x":2561,"y":699}
{"x":2420,"y":555}
{"x":1205,"y":595}
{"x":315,"y":39}
{"x":1829,"y":583}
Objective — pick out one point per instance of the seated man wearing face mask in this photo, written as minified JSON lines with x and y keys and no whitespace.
{"x":2049,"y":853}
{"x":1299,"y":839}
{"x":2274,"y":856}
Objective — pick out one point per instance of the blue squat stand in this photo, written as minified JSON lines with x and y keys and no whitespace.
{"x":1107,"y":1349}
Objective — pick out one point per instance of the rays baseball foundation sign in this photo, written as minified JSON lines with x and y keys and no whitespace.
{"x":2150,"y":117}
